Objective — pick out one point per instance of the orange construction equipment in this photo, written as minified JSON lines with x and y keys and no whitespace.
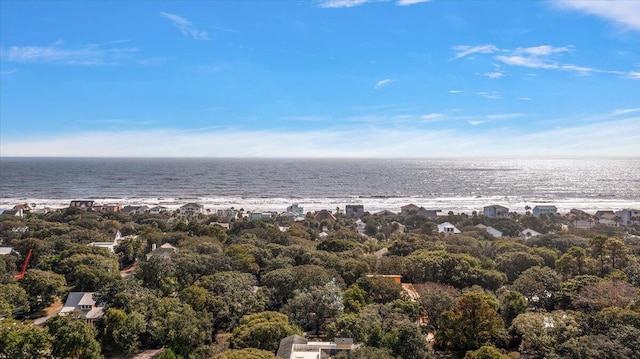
{"x":24,"y":265}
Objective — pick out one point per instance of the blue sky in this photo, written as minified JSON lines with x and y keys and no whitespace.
{"x":326,"y":78}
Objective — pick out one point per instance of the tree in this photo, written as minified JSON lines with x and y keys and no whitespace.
{"x":473,"y":322}
{"x":120,"y":332}
{"x":354,"y":298}
{"x":73,"y":338}
{"x":572,"y":263}
{"x":23,"y":341}
{"x":485,"y":352}
{"x":617,"y":251}
{"x":539,"y":285}
{"x":313,"y":308}
{"x":512,"y":304}
{"x":408,"y":342}
{"x":540,"y":333}
{"x":15,"y":298}
{"x":249,"y":353}
{"x":262,"y":331}
{"x":514,"y":263}
{"x":380,"y":289}
{"x":369,"y":352}
{"x":42,"y":287}
{"x":435,"y":299}
{"x":599,"y":250}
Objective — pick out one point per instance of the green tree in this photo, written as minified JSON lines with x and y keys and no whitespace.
{"x":42,"y":287}
{"x":369,"y":352}
{"x":354,"y":298}
{"x":512,"y":304}
{"x":120,"y":332}
{"x":313,"y":308}
{"x":540,"y":285}
{"x":486,"y":352}
{"x":73,"y":338}
{"x":248,"y":353}
{"x":514,"y":263}
{"x":262,"y":331}
{"x":539,"y":333}
{"x":15,"y":299}
{"x":408,"y":342}
{"x":473,"y":322}
{"x":572,"y":263}
{"x":23,"y":341}
{"x":599,"y":250}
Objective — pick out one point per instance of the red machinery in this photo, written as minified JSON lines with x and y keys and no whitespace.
{"x":24,"y":265}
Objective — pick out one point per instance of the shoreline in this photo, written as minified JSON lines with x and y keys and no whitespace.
{"x":371,"y":204}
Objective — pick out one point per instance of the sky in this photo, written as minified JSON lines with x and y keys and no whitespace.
{"x":320,"y":78}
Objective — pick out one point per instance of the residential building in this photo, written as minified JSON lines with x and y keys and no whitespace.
{"x":354,"y":210}
{"x":324,"y":214}
{"x":227,"y":215}
{"x":13,"y":212}
{"x":627,"y":217}
{"x":191,"y":209}
{"x":87,"y":205}
{"x":5,"y":250}
{"x":134,"y":209}
{"x":83,"y":304}
{"x":360,"y":227}
{"x":548,"y":210}
{"x":295,"y":208}
{"x":165,"y":251}
{"x":409,"y":210}
{"x":495,"y":211}
{"x":158,"y":209}
{"x":297,"y":347}
{"x":492,"y":231}
{"x":448,"y":229}
{"x":529,"y":233}
{"x":106,"y":208}
{"x":605,"y":214}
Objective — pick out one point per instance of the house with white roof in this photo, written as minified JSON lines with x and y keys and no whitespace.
{"x":529,"y":233}
{"x":492,"y":231}
{"x":83,"y":304}
{"x":448,"y":229}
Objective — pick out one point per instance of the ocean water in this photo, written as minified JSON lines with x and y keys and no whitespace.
{"x":272,"y":184}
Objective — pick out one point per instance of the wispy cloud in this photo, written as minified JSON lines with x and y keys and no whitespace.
{"x":625,"y":111}
{"x":382,"y":83}
{"x":618,"y":136}
{"x":505,"y":116}
{"x":341,"y":3}
{"x":523,"y":98}
{"x":185,"y":26}
{"x":56,"y":53}
{"x":455,"y":91}
{"x":624,"y":13}
{"x":432,"y":117}
{"x":493,"y":95}
{"x":411,"y":2}
{"x":537,"y":57}
{"x":9,"y":72}
{"x":464,"y":50}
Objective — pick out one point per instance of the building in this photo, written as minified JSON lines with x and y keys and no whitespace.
{"x":165,"y":251}
{"x":492,"y":231}
{"x":295,"y":208}
{"x":322,"y":215}
{"x":495,"y":211}
{"x":158,"y":209}
{"x":529,"y":233}
{"x":191,"y":209}
{"x":87,"y":205}
{"x":354,"y":210}
{"x":5,"y":251}
{"x":409,"y":210}
{"x":83,"y":304}
{"x":297,"y":347}
{"x":448,"y":229}
{"x":134,"y":209}
{"x":627,"y":216}
{"x":548,"y":210}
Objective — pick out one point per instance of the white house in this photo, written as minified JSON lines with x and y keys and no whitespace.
{"x":529,"y":233}
{"x":492,"y":231}
{"x":192,"y":209}
{"x":82,"y":303}
{"x":295,"y":208}
{"x":628,"y":216}
{"x":297,"y":347}
{"x":448,"y":229}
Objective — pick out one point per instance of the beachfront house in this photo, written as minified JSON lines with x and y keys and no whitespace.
{"x":191,"y":209}
{"x":495,"y":211}
{"x":409,"y":210}
{"x":134,"y":209}
{"x":448,"y":229}
{"x":83,"y":304}
{"x":297,"y":347}
{"x":158,"y":209}
{"x":548,"y":210}
{"x":295,"y":208}
{"x":529,"y":233}
{"x":86,"y":205}
{"x":353,"y":210}
{"x":324,"y":214}
{"x":627,"y":216}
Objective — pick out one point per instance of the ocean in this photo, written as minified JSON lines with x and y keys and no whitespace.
{"x":459,"y":185}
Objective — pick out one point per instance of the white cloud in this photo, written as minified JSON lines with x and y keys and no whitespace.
{"x":505,"y":116}
{"x":432,"y":117}
{"x":9,"y":72}
{"x":532,"y":62}
{"x":625,"y":13}
{"x":185,"y":26}
{"x":524,"y":98}
{"x":382,"y":83}
{"x":92,"y":54}
{"x":625,"y":111}
{"x":493,"y":95}
{"x":411,"y":2}
{"x":342,"y":3}
{"x":542,"y":50}
{"x":476,"y":122}
{"x":464,"y":50}
{"x":613,"y":137}
{"x":455,"y":91}
{"x":634,"y":75}
{"x":494,"y":74}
